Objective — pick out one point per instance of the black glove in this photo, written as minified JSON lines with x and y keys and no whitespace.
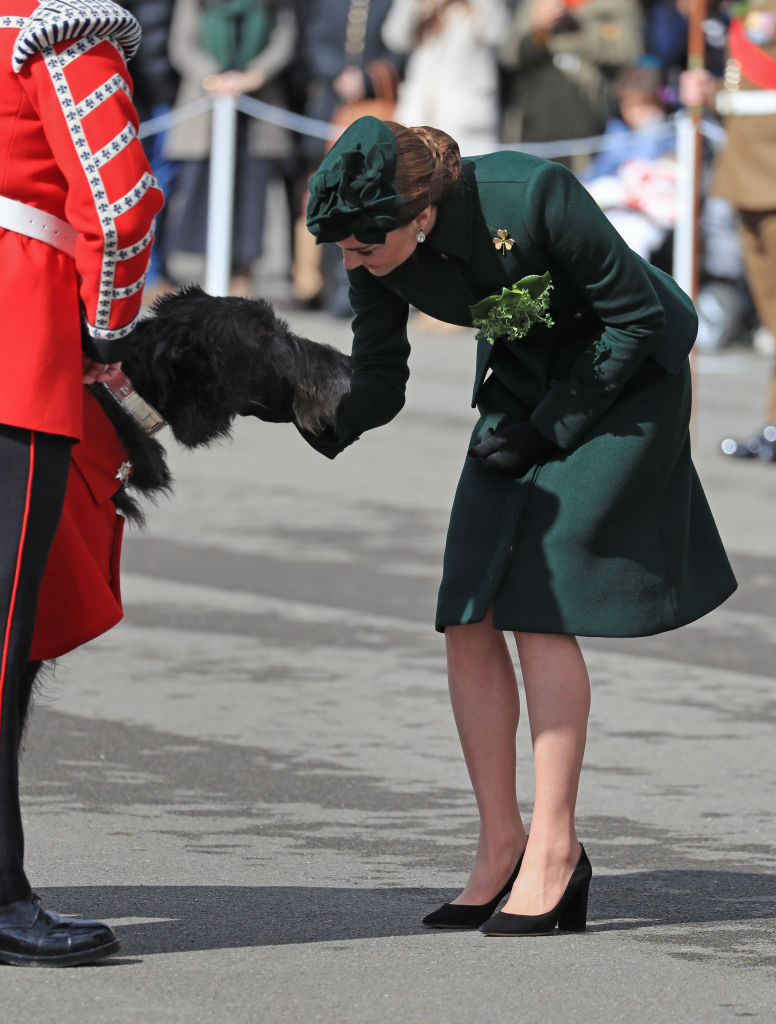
{"x":513,"y":450}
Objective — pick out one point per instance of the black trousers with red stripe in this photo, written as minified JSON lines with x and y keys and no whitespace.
{"x":33,"y":477}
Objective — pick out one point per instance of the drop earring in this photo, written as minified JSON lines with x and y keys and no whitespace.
{"x":421,"y":236}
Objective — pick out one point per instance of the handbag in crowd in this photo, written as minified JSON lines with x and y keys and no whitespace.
{"x":385,"y":81}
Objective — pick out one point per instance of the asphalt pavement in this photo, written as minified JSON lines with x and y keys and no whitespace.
{"x":255,"y":777}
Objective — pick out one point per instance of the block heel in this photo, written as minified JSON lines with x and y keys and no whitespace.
{"x":573,"y":917}
{"x":570,"y":914}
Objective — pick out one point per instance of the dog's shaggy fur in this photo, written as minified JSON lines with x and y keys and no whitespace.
{"x":151,"y":477}
{"x":200,"y":361}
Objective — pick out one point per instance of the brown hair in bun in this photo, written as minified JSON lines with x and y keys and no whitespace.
{"x":428,"y":167}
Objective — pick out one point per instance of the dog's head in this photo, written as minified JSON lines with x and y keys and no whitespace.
{"x":193,"y":359}
{"x":201,"y":360}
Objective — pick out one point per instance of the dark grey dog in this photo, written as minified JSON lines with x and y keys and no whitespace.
{"x":201,"y":360}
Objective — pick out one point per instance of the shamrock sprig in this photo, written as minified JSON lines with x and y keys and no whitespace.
{"x":512,"y":313}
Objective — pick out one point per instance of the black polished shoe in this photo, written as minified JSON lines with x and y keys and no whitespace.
{"x":761,"y":446}
{"x":469,"y":915}
{"x":570,"y":914}
{"x":33,"y":937}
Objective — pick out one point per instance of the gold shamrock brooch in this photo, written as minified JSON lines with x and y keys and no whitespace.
{"x":503,"y":242}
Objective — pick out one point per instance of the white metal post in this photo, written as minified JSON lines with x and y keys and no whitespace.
{"x":221,"y":196}
{"x":684,"y":254}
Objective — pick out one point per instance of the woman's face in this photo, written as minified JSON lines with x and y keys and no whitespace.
{"x":380,"y":259}
{"x":398,"y":246}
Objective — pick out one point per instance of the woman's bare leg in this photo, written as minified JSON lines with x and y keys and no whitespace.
{"x":486,"y":706}
{"x":557,"y":695}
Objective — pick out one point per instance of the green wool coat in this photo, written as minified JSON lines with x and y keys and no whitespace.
{"x":613,"y":536}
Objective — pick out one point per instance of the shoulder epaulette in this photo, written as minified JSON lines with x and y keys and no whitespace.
{"x":57,"y":20}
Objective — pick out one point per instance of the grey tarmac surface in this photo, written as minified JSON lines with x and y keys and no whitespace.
{"x":256,"y":776}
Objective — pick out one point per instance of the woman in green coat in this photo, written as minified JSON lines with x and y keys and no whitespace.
{"x":578,"y":511}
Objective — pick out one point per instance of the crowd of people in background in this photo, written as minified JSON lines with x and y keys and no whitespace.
{"x":491,"y":73}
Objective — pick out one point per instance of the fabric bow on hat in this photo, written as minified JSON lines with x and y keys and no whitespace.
{"x":352,"y":193}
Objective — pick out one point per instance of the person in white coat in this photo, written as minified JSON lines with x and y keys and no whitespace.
{"x":451,"y":79}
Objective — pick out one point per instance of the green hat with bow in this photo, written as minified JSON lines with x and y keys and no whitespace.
{"x":352,"y":192}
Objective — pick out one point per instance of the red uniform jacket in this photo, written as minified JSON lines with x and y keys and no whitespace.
{"x":68,"y":146}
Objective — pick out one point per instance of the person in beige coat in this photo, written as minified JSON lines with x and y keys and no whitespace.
{"x":451,"y":79}
{"x":236,"y":47}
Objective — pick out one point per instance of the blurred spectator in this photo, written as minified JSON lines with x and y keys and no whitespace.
{"x":155,"y":84}
{"x":561,"y":57}
{"x":666,"y":31}
{"x":723,"y":302}
{"x":294,"y":81}
{"x":441,"y":38}
{"x":633,"y":179}
{"x":228,"y":47}
{"x":342,"y":49}
{"x":745,"y":171}
{"x":345,"y":61}
{"x":667,"y":38}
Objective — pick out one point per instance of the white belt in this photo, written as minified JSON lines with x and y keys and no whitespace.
{"x":750,"y":101}
{"x":28,"y":220}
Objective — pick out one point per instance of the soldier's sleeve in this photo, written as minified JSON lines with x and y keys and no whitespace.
{"x":76,"y":78}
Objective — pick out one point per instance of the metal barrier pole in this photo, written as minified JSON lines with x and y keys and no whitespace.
{"x":221,"y":196}
{"x":685,"y":233}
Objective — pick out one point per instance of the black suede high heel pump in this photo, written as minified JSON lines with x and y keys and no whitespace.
{"x":570,"y":914}
{"x":469,"y":915}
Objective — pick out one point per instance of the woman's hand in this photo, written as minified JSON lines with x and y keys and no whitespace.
{"x":349,"y":85}
{"x":513,"y":450}
{"x":234,"y":83}
{"x":102,"y":373}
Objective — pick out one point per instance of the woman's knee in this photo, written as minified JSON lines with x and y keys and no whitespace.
{"x":476,"y":640}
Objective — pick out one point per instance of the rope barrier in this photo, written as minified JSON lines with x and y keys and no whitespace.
{"x":302,"y":125}
{"x":222,"y":155}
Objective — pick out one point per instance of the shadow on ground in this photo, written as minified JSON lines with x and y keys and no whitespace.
{"x":188,"y":918}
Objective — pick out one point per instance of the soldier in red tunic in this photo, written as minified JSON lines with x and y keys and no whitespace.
{"x":77,"y":209}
